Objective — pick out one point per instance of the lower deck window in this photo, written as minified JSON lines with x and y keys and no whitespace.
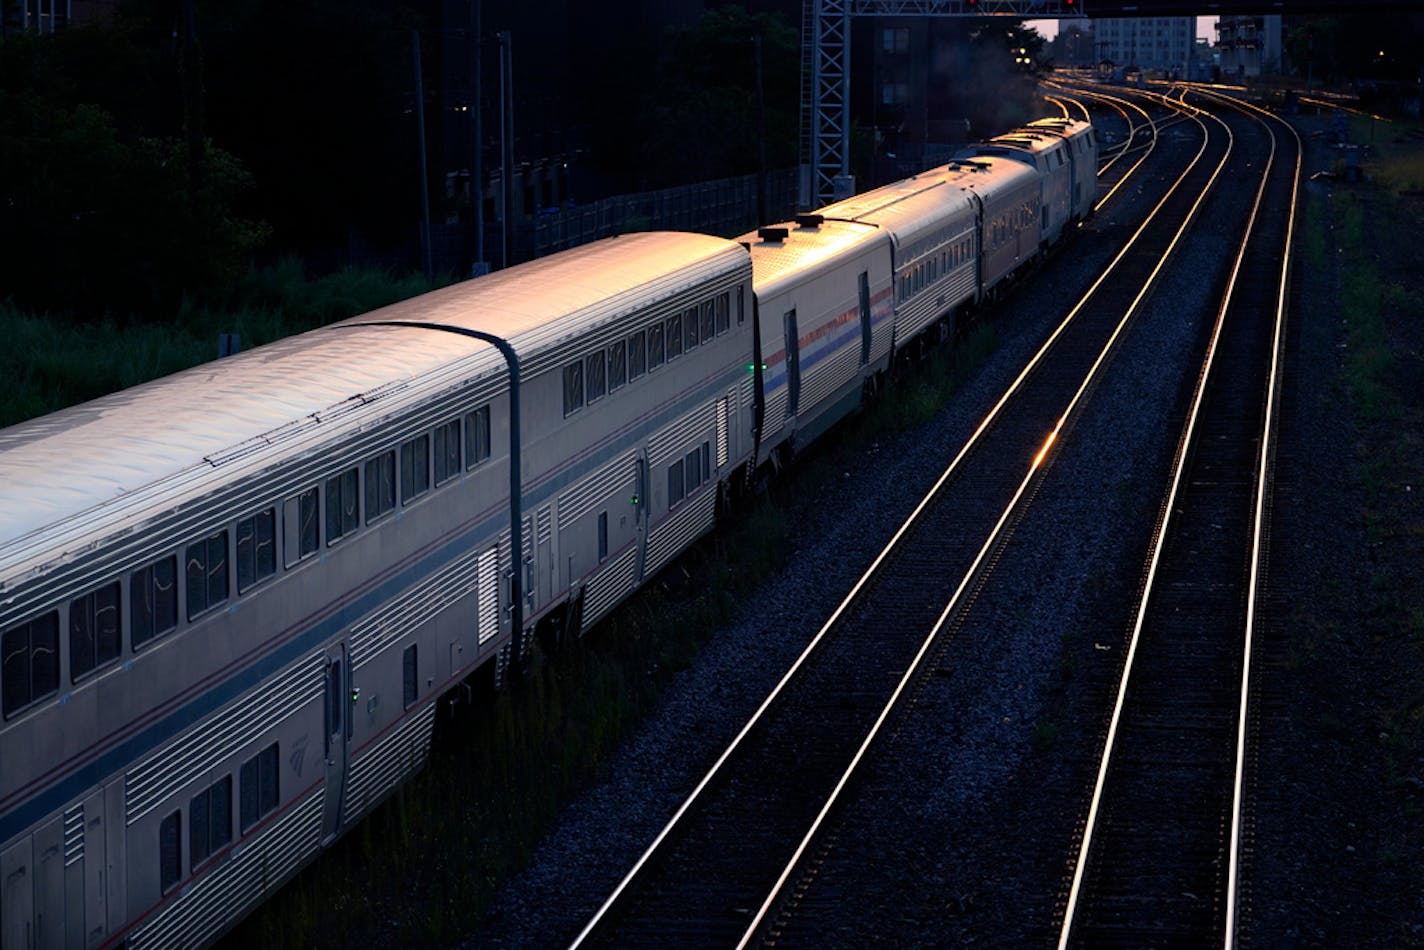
{"x":210,"y":819}
{"x":410,"y":676}
{"x":170,"y":850}
{"x":258,"y":786}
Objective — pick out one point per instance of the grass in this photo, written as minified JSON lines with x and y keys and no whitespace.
{"x":51,"y":361}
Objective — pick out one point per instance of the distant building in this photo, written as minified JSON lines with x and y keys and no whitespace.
{"x":1249,"y":45}
{"x":1075,"y":44}
{"x":1156,"y":43}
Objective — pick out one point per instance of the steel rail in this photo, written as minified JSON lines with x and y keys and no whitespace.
{"x":1178,"y":471}
{"x":873,"y":569}
{"x":1268,"y":438}
{"x":1053,"y":439}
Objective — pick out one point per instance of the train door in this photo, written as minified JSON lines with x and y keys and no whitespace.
{"x":544,"y":552}
{"x":84,"y":872}
{"x":17,"y":895}
{"x":640,"y":514}
{"x":338,"y":722}
{"x":793,"y":365}
{"x":49,"y":886}
{"x":864,"y":283}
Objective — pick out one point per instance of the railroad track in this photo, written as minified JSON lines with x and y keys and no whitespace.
{"x":718,"y":867}
{"x":1158,"y":856}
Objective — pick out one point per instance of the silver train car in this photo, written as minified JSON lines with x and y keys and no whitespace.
{"x":231,"y":598}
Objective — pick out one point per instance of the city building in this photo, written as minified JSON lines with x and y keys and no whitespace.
{"x":1163,"y":44}
{"x":1249,"y":45}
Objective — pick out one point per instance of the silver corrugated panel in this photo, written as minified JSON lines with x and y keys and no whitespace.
{"x":148,"y":784}
{"x":775,"y":416}
{"x":722,"y":412}
{"x":74,"y":834}
{"x":589,"y":493}
{"x":250,"y":872}
{"x":400,"y":616}
{"x":608,"y":587}
{"x":398,"y":756}
{"x":674,"y":438}
{"x":678,"y":531}
{"x":829,"y":377}
{"x":488,"y":594}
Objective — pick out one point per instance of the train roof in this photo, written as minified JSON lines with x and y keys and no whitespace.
{"x":143,"y":447}
{"x":783,"y":252}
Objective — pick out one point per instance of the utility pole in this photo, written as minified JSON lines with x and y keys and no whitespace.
{"x":761,"y":133}
{"x":477,"y":176}
{"x":424,"y":184}
{"x":506,"y":136}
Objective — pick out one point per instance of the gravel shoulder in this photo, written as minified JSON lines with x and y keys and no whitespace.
{"x":1337,"y":831}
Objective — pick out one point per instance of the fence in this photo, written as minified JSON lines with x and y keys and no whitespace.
{"x":725,"y":207}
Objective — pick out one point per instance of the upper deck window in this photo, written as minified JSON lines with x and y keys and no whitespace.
{"x":153,"y":600}
{"x":477,"y":436}
{"x":415,"y":468}
{"x":380,"y":485}
{"x":256,"y":548}
{"x":94,"y":634}
{"x":207,"y":573}
{"x":342,"y":504}
{"x":447,"y":451}
{"x":29,"y":659}
{"x":573,"y":387}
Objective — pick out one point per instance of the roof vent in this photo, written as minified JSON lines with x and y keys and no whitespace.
{"x":809,"y":220}
{"x":773,"y":234}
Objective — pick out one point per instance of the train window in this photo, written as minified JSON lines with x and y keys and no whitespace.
{"x":415,"y":468}
{"x":256,"y":548}
{"x":724,"y":313}
{"x":447,"y":451}
{"x":602,"y":536}
{"x":596,"y":375}
{"x":676,"y":490}
{"x":380,"y":485}
{"x":692,"y":469}
{"x":94,"y":637}
{"x":258,"y":787}
{"x":690,"y":328}
{"x":300,"y":533}
{"x":410,"y":676}
{"x":207,"y":573}
{"x":153,"y":600}
{"x":673,"y":334}
{"x":706,"y":461}
{"x":210,"y":819}
{"x":30,"y":661}
{"x":170,"y":850}
{"x":741,"y":305}
{"x":637,"y":355}
{"x":709,"y":320}
{"x":477,"y":436}
{"x":655,"y":346}
{"x":573,"y":387}
{"x":617,"y":365}
{"x":342,"y":515}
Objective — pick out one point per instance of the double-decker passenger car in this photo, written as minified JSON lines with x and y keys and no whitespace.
{"x":229,"y":598}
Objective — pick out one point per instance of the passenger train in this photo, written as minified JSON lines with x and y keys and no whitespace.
{"x":231,"y":598}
